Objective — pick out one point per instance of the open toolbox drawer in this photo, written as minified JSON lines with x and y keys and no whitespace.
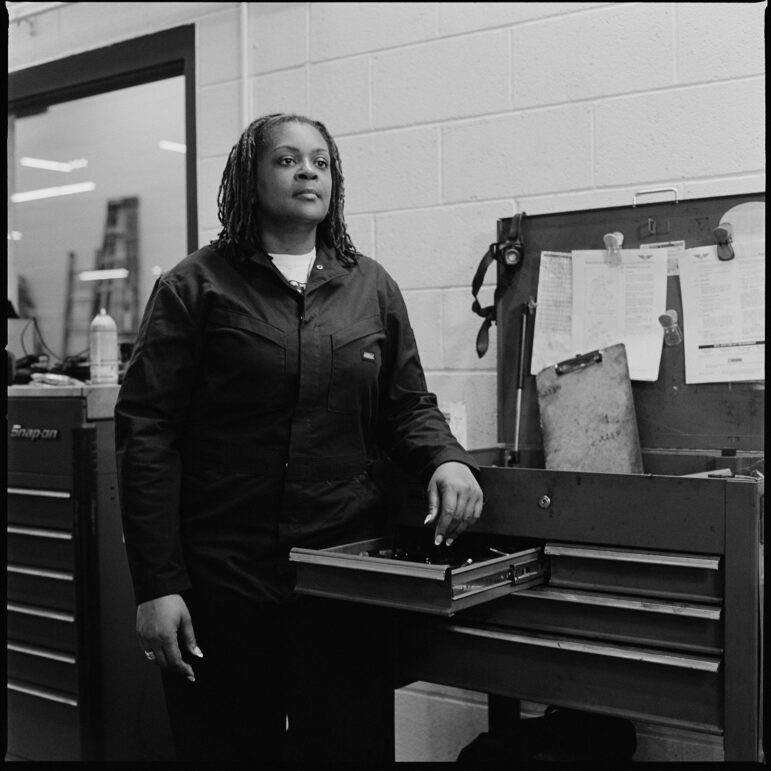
{"x":407,"y":571}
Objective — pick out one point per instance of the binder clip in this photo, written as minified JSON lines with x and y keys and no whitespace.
{"x":672,"y":333}
{"x":724,"y":237}
{"x":613,"y":243}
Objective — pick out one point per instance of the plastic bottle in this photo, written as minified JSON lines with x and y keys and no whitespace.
{"x":103,"y":349}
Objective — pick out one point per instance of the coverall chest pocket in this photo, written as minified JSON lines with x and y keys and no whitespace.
{"x":248,"y":357}
{"x":357,"y":353}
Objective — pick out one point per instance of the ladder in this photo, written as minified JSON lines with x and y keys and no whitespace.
{"x":119,"y":296}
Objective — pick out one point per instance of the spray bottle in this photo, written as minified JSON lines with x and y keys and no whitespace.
{"x":103,"y":349}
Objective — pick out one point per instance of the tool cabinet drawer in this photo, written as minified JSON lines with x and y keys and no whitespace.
{"x":43,"y":724}
{"x":406,"y":571}
{"x":42,"y":507}
{"x":45,"y":588}
{"x":608,"y":617}
{"x":670,"y":575}
{"x":634,"y":681}
{"x":41,"y":627}
{"x":46,"y":667}
{"x":40,"y":547}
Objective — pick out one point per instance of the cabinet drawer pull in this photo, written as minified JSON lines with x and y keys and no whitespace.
{"x":649,"y":605}
{"x":600,"y":649}
{"x":39,"y":493}
{"x":30,"y":611}
{"x":39,"y":532}
{"x":41,"y":653}
{"x":55,"y":574}
{"x":623,"y":555}
{"x":42,"y":694}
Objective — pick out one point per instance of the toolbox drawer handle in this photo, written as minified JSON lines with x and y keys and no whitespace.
{"x":39,"y":493}
{"x":49,"y":614}
{"x":614,"y":651}
{"x":37,"y":532}
{"x":41,"y":653}
{"x":614,"y":601}
{"x":55,"y":574}
{"x":619,"y":555}
{"x":42,"y":694}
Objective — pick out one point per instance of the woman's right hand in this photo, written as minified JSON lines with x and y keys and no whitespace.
{"x":163,"y":624}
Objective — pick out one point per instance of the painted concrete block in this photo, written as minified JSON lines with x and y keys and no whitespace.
{"x":218,"y":123}
{"x":390,"y":170}
{"x":439,"y":247}
{"x":343,"y":29}
{"x":361,"y":230}
{"x":695,"y":132}
{"x":285,"y":91}
{"x":517,"y":155}
{"x":479,"y":392}
{"x":339,"y":95}
{"x":435,"y":727}
{"x":455,"y":18}
{"x":435,"y":81}
{"x":278,"y":36}
{"x":719,"y":41}
{"x":459,"y":333}
{"x":425,"y":311}
{"x":209,"y":179}
{"x":217,"y":58}
{"x":615,"y":50}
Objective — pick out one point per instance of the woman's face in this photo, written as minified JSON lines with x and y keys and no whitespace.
{"x":294,"y":177}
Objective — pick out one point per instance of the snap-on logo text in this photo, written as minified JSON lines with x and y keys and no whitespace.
{"x":20,"y":432}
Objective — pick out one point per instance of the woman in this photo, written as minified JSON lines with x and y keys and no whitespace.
{"x":271,"y":370}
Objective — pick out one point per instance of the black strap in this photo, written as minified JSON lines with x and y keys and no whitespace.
{"x":505,"y":277}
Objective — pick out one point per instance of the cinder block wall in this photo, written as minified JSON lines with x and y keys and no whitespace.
{"x":451,"y":115}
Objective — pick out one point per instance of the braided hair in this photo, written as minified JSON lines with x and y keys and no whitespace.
{"x":237,"y":197}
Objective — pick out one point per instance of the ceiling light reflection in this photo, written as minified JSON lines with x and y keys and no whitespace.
{"x":53,"y":192}
{"x":175,"y":147}
{"x":40,"y":163}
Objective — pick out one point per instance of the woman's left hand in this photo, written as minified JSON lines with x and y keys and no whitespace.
{"x":454,"y":501}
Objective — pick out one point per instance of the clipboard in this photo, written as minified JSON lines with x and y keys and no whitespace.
{"x":587,"y":414}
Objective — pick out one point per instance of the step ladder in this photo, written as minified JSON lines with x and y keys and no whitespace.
{"x":119,"y":296}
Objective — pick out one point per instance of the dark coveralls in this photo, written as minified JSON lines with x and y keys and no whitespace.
{"x":248,"y":422}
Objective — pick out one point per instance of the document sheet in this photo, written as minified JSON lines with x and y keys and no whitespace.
{"x":724,"y":313}
{"x":553,"y":330}
{"x":612,"y":300}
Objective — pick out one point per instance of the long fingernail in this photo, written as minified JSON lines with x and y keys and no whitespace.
{"x":438,"y":539}
{"x":198,"y":652}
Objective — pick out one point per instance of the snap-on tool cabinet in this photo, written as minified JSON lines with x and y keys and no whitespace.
{"x":645,"y":598}
{"x":78,"y":688}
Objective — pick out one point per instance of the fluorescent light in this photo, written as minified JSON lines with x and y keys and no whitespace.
{"x":175,"y":147}
{"x":52,"y":192}
{"x":103,"y":275}
{"x":40,"y":163}
{"x":14,"y":235}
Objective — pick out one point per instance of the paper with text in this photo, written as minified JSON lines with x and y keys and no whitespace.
{"x":553,"y":331}
{"x":724,"y":313}
{"x":619,"y":300}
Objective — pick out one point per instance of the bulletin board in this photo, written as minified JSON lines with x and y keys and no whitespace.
{"x":670,"y":413}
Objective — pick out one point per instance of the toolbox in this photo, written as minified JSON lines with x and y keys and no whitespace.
{"x":648,"y":600}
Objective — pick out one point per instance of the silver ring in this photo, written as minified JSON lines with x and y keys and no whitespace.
{"x":149,"y":655}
